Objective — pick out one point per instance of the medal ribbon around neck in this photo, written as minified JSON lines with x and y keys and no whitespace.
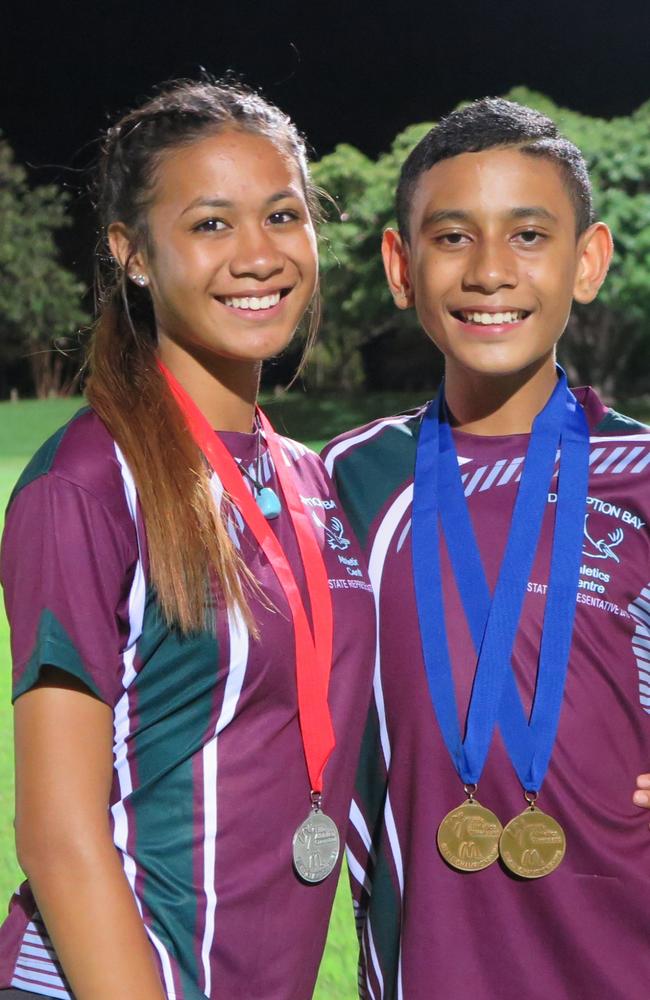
{"x":493,"y":621}
{"x":313,"y":650}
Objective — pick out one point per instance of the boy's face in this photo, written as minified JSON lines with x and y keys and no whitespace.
{"x":492,"y":263}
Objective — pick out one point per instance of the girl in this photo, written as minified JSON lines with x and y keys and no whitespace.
{"x":191,"y":625}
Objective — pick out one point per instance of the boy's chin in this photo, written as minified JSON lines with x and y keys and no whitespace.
{"x":496,"y":365}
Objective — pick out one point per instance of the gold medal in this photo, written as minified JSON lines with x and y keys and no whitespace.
{"x":532,"y":844}
{"x":468,"y":837}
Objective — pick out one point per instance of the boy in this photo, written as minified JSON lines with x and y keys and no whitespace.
{"x":495,"y":240}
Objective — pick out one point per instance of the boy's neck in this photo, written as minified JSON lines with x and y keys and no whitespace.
{"x":498,"y":405}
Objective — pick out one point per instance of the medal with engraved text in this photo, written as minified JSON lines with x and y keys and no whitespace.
{"x":316,"y":846}
{"x":316,"y":841}
{"x":532,"y":844}
{"x":468,"y":837}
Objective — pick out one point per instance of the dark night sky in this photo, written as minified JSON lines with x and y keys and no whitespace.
{"x":347,"y":72}
{"x":354,"y":72}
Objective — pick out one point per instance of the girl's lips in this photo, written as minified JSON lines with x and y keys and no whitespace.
{"x":240,"y":305}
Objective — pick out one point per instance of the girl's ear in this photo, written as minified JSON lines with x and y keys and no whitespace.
{"x":123,"y":249}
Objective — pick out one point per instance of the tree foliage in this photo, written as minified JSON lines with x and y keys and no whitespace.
{"x":40,"y":301}
{"x":607,"y":344}
{"x":358,"y":309}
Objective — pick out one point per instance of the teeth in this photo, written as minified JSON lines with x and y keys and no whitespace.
{"x":254,"y":302}
{"x":492,"y":319}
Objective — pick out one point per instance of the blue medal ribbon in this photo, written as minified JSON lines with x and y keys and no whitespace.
{"x":439,"y":501}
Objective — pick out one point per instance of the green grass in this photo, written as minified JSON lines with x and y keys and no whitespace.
{"x":25,"y":425}
{"x":10,"y":875}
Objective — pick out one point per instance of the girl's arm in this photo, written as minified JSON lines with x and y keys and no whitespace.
{"x":64,"y":844}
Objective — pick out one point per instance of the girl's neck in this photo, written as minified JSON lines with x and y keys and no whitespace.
{"x":224,"y":390}
{"x":498,"y":405}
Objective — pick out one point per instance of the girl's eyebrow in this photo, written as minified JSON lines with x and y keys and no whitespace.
{"x":290,"y":192}
{"x":202,"y":202}
{"x":215,"y":202}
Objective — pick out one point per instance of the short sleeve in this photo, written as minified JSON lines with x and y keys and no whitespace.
{"x":66,"y":567}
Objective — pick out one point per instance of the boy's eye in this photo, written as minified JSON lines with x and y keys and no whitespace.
{"x":530,"y":236}
{"x":452,"y":239}
{"x":210,"y":226}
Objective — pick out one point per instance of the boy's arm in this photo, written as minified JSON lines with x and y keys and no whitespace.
{"x":641,"y":796}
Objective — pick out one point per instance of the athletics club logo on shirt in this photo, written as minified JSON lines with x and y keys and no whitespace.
{"x":333,"y":527}
{"x":334,"y":533}
{"x":602,"y":548}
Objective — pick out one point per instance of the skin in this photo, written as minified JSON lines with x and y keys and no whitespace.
{"x":63,"y":781}
{"x":229,"y":218}
{"x":496,"y":232}
{"x":258,"y":238}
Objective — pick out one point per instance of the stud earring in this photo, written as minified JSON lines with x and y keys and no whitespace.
{"x":140,"y":279}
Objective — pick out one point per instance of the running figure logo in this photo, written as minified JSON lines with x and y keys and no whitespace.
{"x":602,"y":549}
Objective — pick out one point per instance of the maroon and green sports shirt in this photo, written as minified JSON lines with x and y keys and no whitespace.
{"x":209,"y":779}
{"x":428,"y":932}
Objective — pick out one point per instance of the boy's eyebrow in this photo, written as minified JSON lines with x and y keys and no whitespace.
{"x":202,"y":202}
{"x":446,"y":215}
{"x":458,"y":215}
{"x":538,"y":211}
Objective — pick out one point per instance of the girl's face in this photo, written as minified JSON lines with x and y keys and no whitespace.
{"x":231,"y":254}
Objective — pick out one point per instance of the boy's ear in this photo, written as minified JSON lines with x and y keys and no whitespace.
{"x":595,"y":248}
{"x":396,"y":265}
{"x":123,"y":249}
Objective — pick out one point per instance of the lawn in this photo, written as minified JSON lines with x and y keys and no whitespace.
{"x":23,"y":426}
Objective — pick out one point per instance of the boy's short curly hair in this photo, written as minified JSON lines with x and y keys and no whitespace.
{"x":493,"y":123}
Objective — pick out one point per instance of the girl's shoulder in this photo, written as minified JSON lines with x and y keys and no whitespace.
{"x":80,"y":454}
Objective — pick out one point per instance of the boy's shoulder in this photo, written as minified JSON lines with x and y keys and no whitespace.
{"x":375,"y":442}
{"x":373,"y":465}
{"x":614,"y":422}
{"x":604,"y":420}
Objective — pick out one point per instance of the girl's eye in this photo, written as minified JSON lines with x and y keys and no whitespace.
{"x":210,"y":226}
{"x":284,"y":216}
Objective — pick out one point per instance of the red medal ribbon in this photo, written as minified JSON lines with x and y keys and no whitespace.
{"x":313,"y":650}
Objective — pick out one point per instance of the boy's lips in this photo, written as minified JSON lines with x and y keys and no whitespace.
{"x":496,"y":319}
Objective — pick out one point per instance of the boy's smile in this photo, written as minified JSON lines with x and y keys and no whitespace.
{"x":493,"y":262}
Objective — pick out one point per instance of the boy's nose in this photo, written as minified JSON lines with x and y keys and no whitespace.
{"x":490,"y":267}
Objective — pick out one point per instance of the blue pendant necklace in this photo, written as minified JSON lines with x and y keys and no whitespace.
{"x":265,"y":497}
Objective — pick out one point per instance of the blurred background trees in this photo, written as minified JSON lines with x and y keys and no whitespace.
{"x":365,"y":343}
{"x":41,"y":307}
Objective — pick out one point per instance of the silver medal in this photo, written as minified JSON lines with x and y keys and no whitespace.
{"x":316,"y":847}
